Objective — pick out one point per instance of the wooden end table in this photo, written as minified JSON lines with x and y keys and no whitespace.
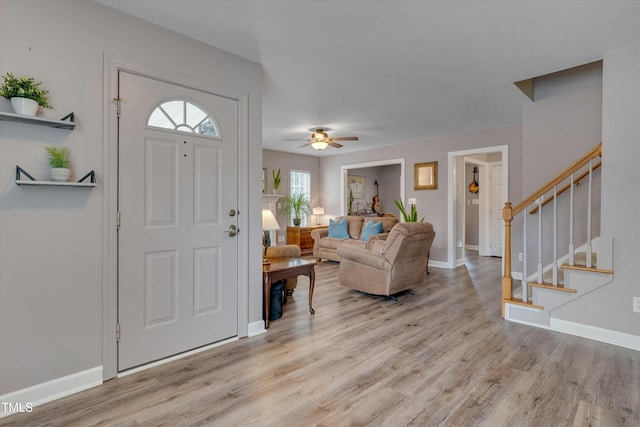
{"x":286,"y":268}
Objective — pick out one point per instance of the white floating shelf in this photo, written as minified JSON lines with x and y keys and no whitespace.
{"x":56,"y":183}
{"x":41,"y":121}
{"x":32,"y":181}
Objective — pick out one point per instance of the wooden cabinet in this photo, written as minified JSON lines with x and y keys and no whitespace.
{"x":301,"y":236}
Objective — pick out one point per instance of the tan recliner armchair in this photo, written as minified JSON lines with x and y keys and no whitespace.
{"x":389,"y":266}
{"x":285,"y":251}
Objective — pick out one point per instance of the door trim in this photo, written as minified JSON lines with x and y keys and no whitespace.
{"x":112,"y":65}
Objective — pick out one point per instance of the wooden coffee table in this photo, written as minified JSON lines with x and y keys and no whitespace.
{"x":286,"y":268}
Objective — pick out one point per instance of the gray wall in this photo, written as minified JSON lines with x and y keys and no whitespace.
{"x":563,"y":123}
{"x":430,"y":203}
{"x":609,"y":307}
{"x":51,"y":248}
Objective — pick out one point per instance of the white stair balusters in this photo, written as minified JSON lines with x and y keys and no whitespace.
{"x":525,"y":276}
{"x":589,"y":209}
{"x":554,"y":278}
{"x":539,"y":203}
{"x":572,"y":259}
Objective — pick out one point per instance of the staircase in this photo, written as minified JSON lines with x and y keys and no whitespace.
{"x":564,"y":279}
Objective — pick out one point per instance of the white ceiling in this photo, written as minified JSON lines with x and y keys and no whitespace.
{"x":395,"y":71}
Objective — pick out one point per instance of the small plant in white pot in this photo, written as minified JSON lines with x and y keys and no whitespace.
{"x":59,"y":163}
{"x":25,"y":93}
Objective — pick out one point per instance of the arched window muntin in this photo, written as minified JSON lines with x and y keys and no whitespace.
{"x":183,"y":115}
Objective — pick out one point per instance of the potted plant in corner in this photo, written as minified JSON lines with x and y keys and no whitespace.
{"x":276,"y":180}
{"x":25,"y":94}
{"x":59,"y":163}
{"x":295,"y":205}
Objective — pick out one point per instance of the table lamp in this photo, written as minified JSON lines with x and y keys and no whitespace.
{"x":318,"y":211}
{"x":268,"y":223}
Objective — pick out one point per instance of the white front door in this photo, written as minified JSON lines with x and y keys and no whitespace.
{"x":177,"y":196}
{"x":497,"y":223}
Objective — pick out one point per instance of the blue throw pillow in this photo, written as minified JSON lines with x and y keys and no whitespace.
{"x":339,"y":229}
{"x":371,"y":228}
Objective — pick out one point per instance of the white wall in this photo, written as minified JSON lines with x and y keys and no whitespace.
{"x":51,"y":238}
{"x":431,"y":203}
{"x":609,"y":307}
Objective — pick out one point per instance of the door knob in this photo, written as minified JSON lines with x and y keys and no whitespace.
{"x":232,"y":231}
{"x":232,"y":212}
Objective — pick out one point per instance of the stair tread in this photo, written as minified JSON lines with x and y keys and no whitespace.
{"x":547,"y":285}
{"x":593,"y":268}
{"x":518,"y":301}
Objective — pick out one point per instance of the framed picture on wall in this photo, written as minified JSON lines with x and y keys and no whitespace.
{"x":356,"y":186}
{"x":425,"y":176}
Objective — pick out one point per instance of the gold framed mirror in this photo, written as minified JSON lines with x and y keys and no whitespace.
{"x":425,"y":176}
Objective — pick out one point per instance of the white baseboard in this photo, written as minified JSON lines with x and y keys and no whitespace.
{"x":256,"y":328}
{"x":438,"y":264}
{"x":597,"y":334}
{"x":51,"y":390}
{"x":472,"y":247}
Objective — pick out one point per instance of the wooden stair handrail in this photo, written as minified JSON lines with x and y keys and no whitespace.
{"x":508,"y":212}
{"x":565,"y":188}
{"x":595,"y":152}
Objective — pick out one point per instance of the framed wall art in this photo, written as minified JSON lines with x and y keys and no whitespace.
{"x":425,"y":176}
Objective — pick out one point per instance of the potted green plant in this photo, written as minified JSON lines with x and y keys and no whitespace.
{"x":59,"y":163}
{"x":411,"y":216}
{"x":295,"y":205}
{"x":25,"y":94}
{"x":276,"y":180}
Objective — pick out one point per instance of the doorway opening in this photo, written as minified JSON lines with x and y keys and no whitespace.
{"x":384,"y":179}
{"x":492,"y":179}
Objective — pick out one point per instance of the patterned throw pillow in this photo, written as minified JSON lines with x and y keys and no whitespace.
{"x":339,"y":229}
{"x":371,"y":228}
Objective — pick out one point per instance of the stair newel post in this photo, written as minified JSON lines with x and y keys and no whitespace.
{"x":507,"y":279}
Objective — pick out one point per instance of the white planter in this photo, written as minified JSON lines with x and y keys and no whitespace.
{"x":60,"y":174}
{"x":24,"y":106}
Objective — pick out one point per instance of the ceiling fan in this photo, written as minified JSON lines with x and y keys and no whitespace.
{"x":320,"y":140}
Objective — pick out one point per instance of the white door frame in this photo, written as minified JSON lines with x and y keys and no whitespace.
{"x":489,"y":218}
{"x":112,"y":65}
{"x":344,"y":169}
{"x":453,"y":182}
{"x":481,"y":203}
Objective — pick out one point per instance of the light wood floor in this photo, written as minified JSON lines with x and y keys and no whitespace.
{"x":442,"y":356}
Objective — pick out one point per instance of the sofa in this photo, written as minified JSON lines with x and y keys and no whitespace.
{"x":388,"y":266}
{"x":325,"y":247}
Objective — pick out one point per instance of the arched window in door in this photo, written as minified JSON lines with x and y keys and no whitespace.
{"x":184,"y":116}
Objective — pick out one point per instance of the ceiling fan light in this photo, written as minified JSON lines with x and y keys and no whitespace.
{"x":319,"y":136}
{"x":319,"y":145}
